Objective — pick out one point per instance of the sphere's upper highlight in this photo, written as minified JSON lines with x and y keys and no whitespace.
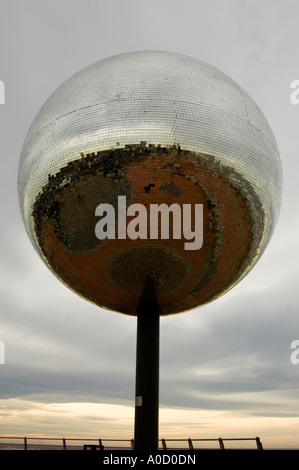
{"x":152,"y":128}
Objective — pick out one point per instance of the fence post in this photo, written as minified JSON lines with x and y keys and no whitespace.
{"x":190,"y":444}
{"x":25,"y":443}
{"x":221,"y":444}
{"x":63,"y":443}
{"x":258,"y":443}
{"x":164,"y":446}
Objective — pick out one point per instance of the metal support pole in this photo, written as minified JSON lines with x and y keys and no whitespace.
{"x":147,"y":370}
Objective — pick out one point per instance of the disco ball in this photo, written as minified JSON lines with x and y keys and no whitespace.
{"x":142,"y":130}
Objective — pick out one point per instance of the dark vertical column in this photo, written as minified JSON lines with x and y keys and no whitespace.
{"x":147,"y":370}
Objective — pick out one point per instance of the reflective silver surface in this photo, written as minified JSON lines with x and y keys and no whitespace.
{"x":152,"y":98}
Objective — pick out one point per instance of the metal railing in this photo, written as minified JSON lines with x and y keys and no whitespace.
{"x":62,"y":443}
{"x":220,"y":440}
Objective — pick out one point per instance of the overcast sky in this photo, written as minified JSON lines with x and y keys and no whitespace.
{"x":69,"y":365}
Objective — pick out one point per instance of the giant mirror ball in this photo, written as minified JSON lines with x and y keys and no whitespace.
{"x":155,"y":128}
